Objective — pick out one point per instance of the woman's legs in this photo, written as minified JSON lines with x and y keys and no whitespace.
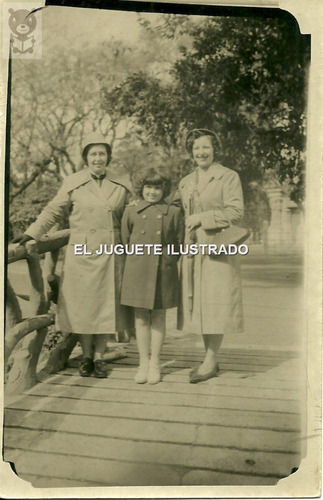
{"x":93,"y":347}
{"x":100,"y":344}
{"x":142,"y":324}
{"x":86,"y":341}
{"x":86,"y":366}
{"x":212,"y":346}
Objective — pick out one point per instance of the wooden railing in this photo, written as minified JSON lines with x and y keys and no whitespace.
{"x":24,"y":338}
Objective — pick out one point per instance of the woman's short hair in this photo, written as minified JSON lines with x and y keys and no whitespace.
{"x":154,"y":177}
{"x":196,"y":134}
{"x":88,"y":147}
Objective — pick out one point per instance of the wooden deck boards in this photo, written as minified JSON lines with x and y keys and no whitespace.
{"x":238,"y":429}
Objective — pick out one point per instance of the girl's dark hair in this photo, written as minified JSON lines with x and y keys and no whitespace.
{"x":196,"y":134}
{"x":154,"y":177}
{"x":88,"y":146}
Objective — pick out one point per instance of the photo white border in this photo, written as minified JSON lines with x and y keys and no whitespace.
{"x":306,"y":481}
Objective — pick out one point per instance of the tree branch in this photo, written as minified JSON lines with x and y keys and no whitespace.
{"x":32,"y":178}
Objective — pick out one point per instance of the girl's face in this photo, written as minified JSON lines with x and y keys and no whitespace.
{"x":151,"y":193}
{"x":97,"y":158}
{"x":203,"y":152}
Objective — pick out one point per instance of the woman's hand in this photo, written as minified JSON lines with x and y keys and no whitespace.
{"x":193,"y":222}
{"x":22,"y":239}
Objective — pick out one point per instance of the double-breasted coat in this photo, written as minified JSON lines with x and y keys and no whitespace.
{"x":217,"y":297}
{"x":90,"y":285}
{"x":151,"y":281}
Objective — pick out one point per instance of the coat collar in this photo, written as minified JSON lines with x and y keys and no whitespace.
{"x":215,"y":171}
{"x":143,"y":204}
{"x":83,"y":177}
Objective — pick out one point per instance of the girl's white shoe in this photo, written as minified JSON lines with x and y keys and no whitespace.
{"x":141,"y":376}
{"x":154,"y":373}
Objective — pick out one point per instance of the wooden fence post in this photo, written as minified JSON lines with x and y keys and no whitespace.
{"x":13,"y":316}
{"x":13,"y":311}
{"x":22,"y":375}
{"x":20,"y":330}
{"x":50,"y":262}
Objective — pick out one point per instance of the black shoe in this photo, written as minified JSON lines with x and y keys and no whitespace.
{"x":195,"y":377}
{"x":100,"y":369}
{"x":86,"y":367}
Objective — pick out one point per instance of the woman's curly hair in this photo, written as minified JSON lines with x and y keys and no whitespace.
{"x":196,"y":134}
{"x":154,"y":177}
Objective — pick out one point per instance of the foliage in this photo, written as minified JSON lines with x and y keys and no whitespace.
{"x":134,"y":157}
{"x":244,"y":78}
{"x":56,"y":101}
{"x":25,"y":208}
{"x":52,"y":338}
{"x":150,"y":103}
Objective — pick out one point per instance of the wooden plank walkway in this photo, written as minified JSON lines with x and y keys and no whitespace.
{"x":242,"y":428}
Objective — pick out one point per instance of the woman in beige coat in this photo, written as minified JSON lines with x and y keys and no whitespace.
{"x":90,"y":284}
{"x":212,"y":199}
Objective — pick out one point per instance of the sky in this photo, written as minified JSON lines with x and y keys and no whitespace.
{"x":70,"y":26}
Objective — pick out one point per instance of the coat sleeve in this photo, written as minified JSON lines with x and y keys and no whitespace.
{"x":177,"y":199}
{"x":126,"y":226}
{"x":232,"y":210}
{"x":54,"y":212}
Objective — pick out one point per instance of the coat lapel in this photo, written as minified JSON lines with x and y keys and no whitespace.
{"x":102,"y":192}
{"x":94,"y":189}
{"x":106,"y":189}
{"x":214,"y":172}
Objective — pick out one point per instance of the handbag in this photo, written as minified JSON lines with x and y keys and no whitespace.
{"x":231,"y":235}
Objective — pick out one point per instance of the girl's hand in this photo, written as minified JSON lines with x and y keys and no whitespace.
{"x":193,"y":222}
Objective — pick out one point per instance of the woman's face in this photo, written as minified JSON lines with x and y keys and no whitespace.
{"x":97,"y":158}
{"x":203,"y":152}
{"x":151,"y":193}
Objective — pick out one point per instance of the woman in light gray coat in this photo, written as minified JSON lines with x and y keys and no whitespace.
{"x":90,"y":285}
{"x":212,"y":199}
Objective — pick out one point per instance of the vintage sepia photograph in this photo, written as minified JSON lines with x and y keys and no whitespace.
{"x":156,"y":248}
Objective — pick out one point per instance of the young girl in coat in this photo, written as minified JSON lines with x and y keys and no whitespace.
{"x":150,"y":281}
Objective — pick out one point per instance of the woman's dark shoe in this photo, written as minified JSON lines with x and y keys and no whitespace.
{"x":195,"y":377}
{"x":86,"y":367}
{"x":100,"y":369}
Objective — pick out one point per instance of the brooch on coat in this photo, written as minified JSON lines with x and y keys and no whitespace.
{"x":133,"y":203}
